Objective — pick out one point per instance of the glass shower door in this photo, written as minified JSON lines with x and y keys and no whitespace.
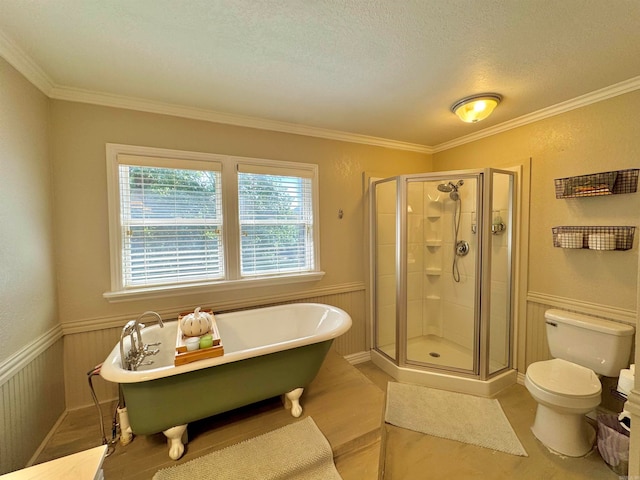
{"x":501,"y":248}
{"x":441,"y":269}
{"x":385,"y":273}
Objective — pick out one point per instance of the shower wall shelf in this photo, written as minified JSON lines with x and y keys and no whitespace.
{"x":433,"y":271}
{"x":434,"y":209}
{"x":598,"y":184}
{"x":433,"y":243}
{"x":594,"y":238}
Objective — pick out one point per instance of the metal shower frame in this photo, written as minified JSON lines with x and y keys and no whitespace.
{"x":482,"y":308}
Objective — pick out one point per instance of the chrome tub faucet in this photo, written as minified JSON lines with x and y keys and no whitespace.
{"x":138,"y":350}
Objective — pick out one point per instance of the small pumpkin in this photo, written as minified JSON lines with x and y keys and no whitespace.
{"x":196,"y":323}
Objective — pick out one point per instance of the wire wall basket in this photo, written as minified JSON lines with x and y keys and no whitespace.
{"x":598,"y":184}
{"x":594,"y":238}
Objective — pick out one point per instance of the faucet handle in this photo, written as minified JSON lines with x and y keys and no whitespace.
{"x":154,"y":344}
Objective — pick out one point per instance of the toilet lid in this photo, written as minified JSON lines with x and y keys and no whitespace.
{"x":564,"y":378}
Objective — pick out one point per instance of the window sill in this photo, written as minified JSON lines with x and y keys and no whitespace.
{"x":145,"y":293}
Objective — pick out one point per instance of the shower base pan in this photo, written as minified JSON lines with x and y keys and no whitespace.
{"x":445,"y":381}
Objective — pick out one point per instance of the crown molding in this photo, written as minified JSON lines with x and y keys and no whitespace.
{"x":611,"y":91}
{"x":139,"y":104}
{"x":194,"y":113}
{"x":24,"y":64}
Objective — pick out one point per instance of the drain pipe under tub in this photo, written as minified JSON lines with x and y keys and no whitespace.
{"x":110,"y":444}
{"x":126,"y":434}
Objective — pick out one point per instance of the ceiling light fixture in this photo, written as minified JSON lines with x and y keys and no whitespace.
{"x":476,"y":107}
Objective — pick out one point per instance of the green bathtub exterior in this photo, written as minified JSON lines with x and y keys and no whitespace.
{"x":156,"y":405}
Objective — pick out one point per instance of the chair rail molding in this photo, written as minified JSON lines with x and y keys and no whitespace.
{"x":28,"y":353}
{"x":100,"y":323}
{"x":587,"y":308}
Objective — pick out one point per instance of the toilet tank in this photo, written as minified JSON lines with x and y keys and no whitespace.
{"x":601,"y":345}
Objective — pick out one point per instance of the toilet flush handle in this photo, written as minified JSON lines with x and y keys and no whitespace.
{"x":553,"y":324}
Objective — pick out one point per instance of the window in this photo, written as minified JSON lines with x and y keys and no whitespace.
{"x":182,"y":221}
{"x":276,"y":221}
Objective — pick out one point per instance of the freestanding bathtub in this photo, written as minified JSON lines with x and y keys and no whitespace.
{"x":267,"y":352}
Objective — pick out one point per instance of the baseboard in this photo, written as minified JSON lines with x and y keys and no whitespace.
{"x":360,"y":357}
{"x":93,"y":405}
{"x":520,"y":378}
{"x":56,"y":425}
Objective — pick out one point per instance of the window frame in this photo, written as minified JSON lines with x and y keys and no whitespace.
{"x":229,"y":167}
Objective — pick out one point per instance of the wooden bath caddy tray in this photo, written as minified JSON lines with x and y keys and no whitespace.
{"x":183,"y":356}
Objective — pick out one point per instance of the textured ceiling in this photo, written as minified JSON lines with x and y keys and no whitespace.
{"x":383,"y":68}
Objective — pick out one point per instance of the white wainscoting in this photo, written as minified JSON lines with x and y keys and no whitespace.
{"x":31,"y":398}
{"x":33,"y":387}
{"x":538,"y":303}
{"x":49,"y":376}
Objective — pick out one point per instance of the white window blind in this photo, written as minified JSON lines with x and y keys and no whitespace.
{"x":194,"y":222}
{"x":275,"y":219}
{"x":171,"y":221}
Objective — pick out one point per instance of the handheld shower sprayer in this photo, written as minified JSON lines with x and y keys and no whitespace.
{"x":461,"y":248}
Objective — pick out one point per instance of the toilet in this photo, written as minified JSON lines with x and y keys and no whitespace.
{"x":567,"y":387}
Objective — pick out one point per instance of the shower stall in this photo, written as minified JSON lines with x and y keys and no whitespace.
{"x":442,"y":278}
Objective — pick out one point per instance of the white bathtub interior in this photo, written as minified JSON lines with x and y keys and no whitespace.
{"x":244,"y":334}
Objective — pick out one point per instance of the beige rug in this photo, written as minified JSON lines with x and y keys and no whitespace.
{"x":297,"y":451}
{"x":455,"y":416}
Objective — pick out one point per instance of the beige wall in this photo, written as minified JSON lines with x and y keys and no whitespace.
{"x":79,"y":135}
{"x":27,"y":278}
{"x":32,"y":383}
{"x":595,"y":138}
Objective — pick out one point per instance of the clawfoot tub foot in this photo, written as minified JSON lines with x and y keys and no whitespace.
{"x":292,"y":401}
{"x":176,"y":438}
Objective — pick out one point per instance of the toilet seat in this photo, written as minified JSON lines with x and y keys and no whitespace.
{"x":559,"y":377}
{"x":565,"y":392}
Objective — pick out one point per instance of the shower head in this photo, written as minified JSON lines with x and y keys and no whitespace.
{"x":451,"y":188}
{"x":447,"y":187}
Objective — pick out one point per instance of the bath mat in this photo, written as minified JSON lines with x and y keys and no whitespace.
{"x":455,"y":416}
{"x":296,"y":451}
